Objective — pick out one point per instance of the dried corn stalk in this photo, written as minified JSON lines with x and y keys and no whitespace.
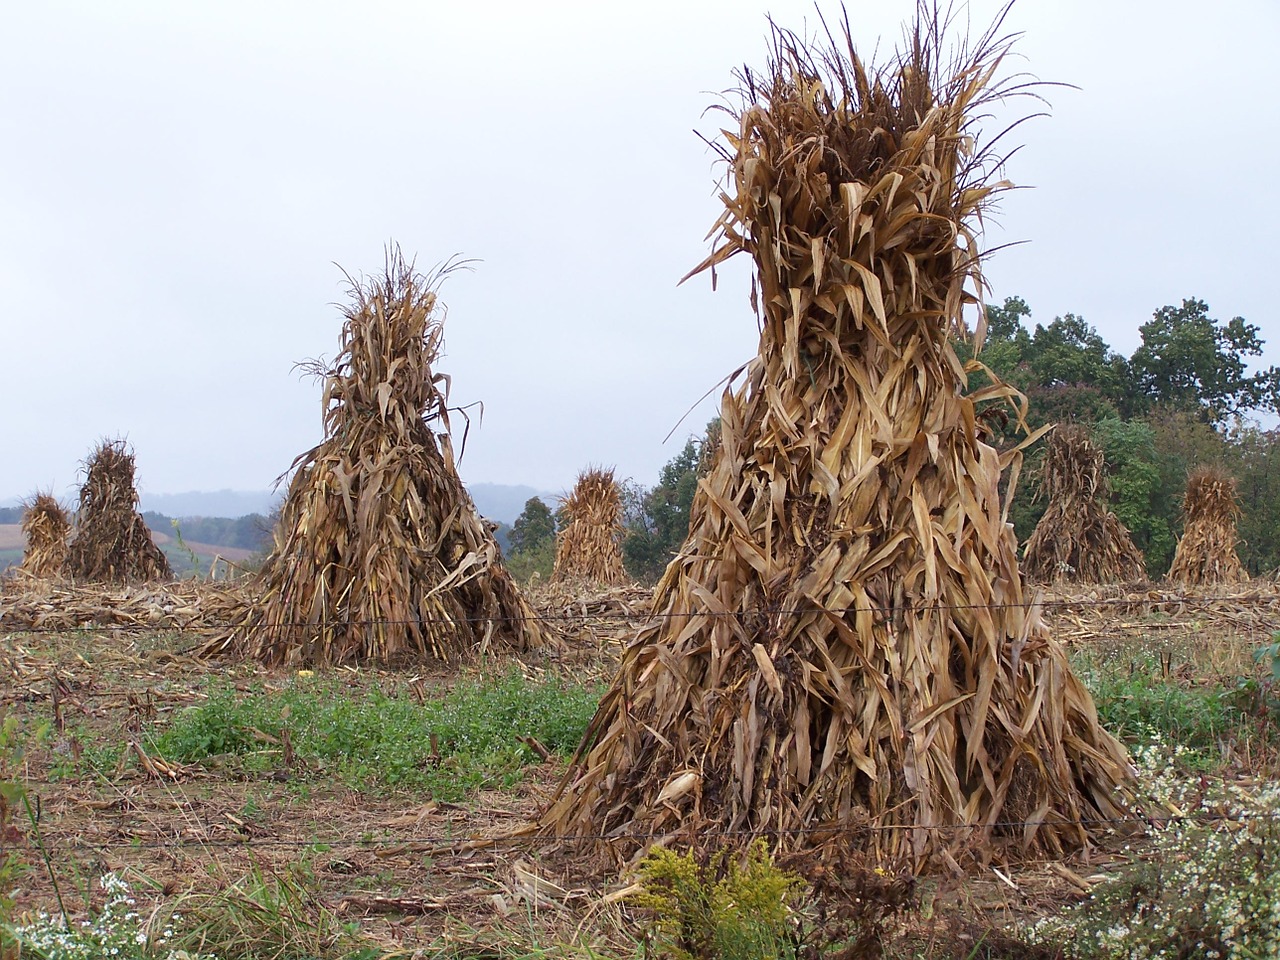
{"x":112,"y":541}
{"x":1079,"y":539}
{"x":46,"y":526}
{"x":844,"y":652}
{"x":589,"y":544}
{"x":1206,"y":553}
{"x":379,"y":552}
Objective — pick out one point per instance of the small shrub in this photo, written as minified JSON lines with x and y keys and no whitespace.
{"x":738,"y":911}
{"x":1262,"y":694}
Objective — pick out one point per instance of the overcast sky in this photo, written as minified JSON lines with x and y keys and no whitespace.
{"x":178,"y":180}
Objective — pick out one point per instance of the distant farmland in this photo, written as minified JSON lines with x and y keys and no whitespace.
{"x":12,"y":543}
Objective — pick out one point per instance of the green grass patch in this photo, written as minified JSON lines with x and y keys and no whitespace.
{"x":366,"y":737}
{"x":1139,"y":704}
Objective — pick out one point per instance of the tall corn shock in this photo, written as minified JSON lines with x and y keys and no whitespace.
{"x":589,"y":546}
{"x":1206,"y":552}
{"x":1079,"y":539}
{"x":112,"y":542}
{"x":45,"y":528}
{"x":379,"y":553}
{"x":844,"y":651}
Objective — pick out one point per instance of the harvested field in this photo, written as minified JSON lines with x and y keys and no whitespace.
{"x":11,"y":538}
{"x":408,"y":860}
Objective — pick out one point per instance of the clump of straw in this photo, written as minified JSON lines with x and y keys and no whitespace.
{"x":589,"y":544}
{"x":843,"y":653}
{"x":112,"y":541}
{"x":1206,"y":553}
{"x":379,"y":552}
{"x":1079,"y":539}
{"x":46,"y":527}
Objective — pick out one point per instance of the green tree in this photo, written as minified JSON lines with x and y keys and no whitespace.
{"x":1256,"y":466}
{"x":533,"y":541}
{"x":1190,"y":361}
{"x":1071,"y":352}
{"x":1066,"y":369}
{"x":661,"y":524}
{"x":534,"y":527}
{"x":1004,"y":344}
{"x":1140,"y":497}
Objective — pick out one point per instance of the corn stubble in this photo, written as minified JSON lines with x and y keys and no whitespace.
{"x":589,"y":547}
{"x":1079,"y":539}
{"x":844,"y":651}
{"x":112,"y":542}
{"x":379,"y":552}
{"x":46,"y":527}
{"x":1206,"y":554}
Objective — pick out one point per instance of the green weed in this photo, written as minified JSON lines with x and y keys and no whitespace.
{"x":466,"y":738}
{"x":726,"y":910}
{"x":277,"y":915}
{"x":1139,"y":704}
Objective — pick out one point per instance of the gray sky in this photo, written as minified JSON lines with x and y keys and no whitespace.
{"x":177,"y":181}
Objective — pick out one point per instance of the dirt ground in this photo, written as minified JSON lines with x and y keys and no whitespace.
{"x":408,"y":868}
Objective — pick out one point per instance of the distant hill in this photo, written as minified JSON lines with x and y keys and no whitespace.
{"x":234,"y":524}
{"x":497,"y":501}
{"x":503,"y":503}
{"x":220,"y":503}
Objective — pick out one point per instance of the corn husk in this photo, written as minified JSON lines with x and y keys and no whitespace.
{"x":1206,"y":553}
{"x":1079,"y":539}
{"x":379,"y":554}
{"x":112,"y":542}
{"x":46,"y":527}
{"x":589,"y":544}
{"x":844,"y":651}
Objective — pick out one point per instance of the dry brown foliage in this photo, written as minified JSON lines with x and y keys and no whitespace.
{"x":1079,"y":539}
{"x":112,"y":542}
{"x":589,"y":545}
{"x":46,"y":526}
{"x":1207,"y":551}
{"x":63,"y":605}
{"x":379,"y":552}
{"x":844,"y":651}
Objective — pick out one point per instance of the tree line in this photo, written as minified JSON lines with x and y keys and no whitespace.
{"x":1184,"y":398}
